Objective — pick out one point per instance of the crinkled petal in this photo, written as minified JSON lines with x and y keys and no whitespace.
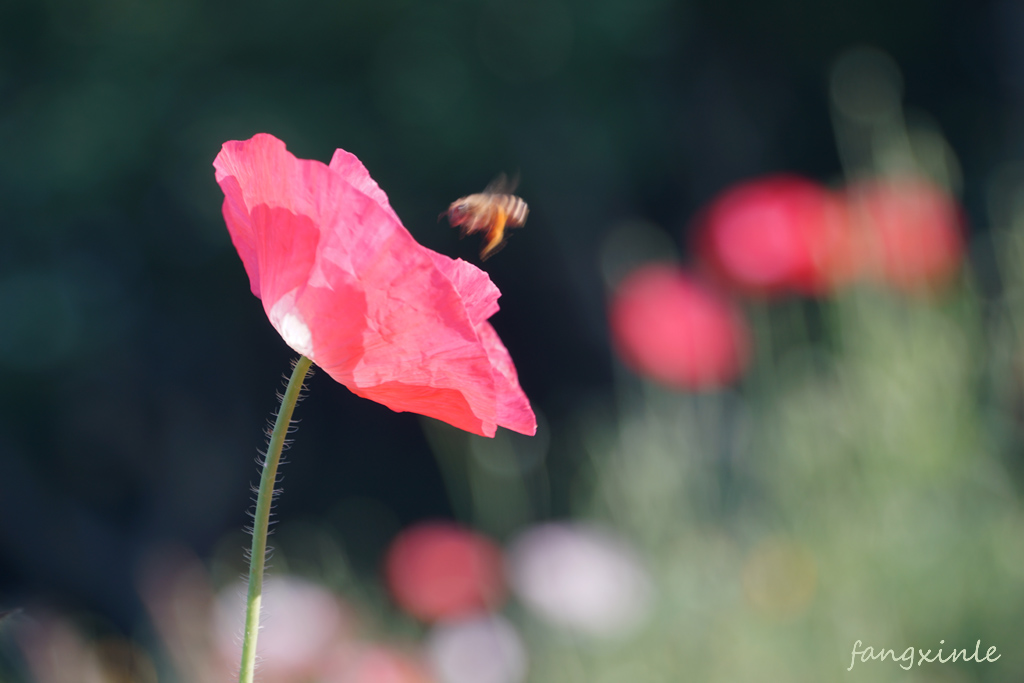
{"x":349,"y":167}
{"x":479,"y":294}
{"x":514,"y":411}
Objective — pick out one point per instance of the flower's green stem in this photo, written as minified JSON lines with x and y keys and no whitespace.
{"x":261,"y":518}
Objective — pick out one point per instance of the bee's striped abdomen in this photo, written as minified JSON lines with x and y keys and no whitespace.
{"x":515,"y":208}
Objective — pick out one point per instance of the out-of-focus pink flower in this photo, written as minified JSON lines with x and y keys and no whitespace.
{"x":676,"y":330}
{"x":176,"y":589}
{"x":580,"y":577}
{"x":774,"y":235}
{"x":912,"y":231}
{"x":440,"y":571}
{"x":346,"y":285}
{"x":480,"y":650}
{"x":56,"y":652}
{"x":373,"y":664}
{"x":301,"y":623}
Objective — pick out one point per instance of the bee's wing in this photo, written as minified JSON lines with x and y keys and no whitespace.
{"x":502,"y":185}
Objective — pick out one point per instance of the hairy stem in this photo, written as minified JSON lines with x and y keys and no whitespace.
{"x":261,"y":518}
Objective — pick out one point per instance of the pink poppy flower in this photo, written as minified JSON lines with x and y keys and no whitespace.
{"x":668,"y":326}
{"x":913,"y":231}
{"x":438,"y":571}
{"x":774,"y":235}
{"x":346,"y":285}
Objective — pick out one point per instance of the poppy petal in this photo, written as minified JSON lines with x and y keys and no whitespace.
{"x":345,"y":284}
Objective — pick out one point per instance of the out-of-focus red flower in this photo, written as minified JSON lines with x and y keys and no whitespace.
{"x":441,"y":571}
{"x":668,"y":326}
{"x":775,"y":235}
{"x":912,"y":231}
{"x":346,"y":285}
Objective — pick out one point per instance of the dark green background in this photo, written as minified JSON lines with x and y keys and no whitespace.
{"x":137,"y":370}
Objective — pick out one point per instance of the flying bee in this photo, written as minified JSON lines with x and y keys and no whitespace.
{"x":492,"y":210}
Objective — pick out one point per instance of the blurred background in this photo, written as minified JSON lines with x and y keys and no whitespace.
{"x":854,"y":472}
